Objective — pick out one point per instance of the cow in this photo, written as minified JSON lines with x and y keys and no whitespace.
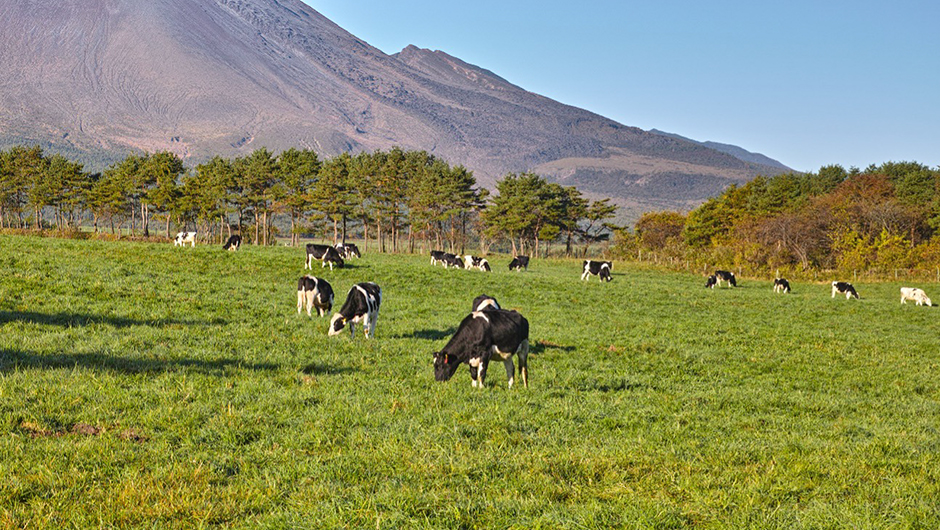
{"x":314,"y":292}
{"x":362,"y":305}
{"x":711,"y":282}
{"x":473,"y":262}
{"x":725,"y":276}
{"x":437,"y":256}
{"x":233,"y":243}
{"x":484,"y":303}
{"x":601,"y":269}
{"x":844,"y":288}
{"x":781,"y":285}
{"x":915,"y":295}
{"x":348,"y":250}
{"x":518,"y":263}
{"x":325,"y":253}
{"x":452,"y":260}
{"x":184,"y":237}
{"x":482,"y":335}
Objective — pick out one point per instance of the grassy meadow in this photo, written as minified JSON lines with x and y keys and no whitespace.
{"x":148,"y":386}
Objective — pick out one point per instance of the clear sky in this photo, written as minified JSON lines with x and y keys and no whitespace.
{"x":808,"y":83}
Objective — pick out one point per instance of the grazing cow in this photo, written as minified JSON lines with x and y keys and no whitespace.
{"x":844,"y":288}
{"x":915,"y":295}
{"x":726,"y":276}
{"x":452,"y":260}
{"x":348,"y":250}
{"x":437,"y":256}
{"x":184,"y":237}
{"x":481,"y":335}
{"x":474,"y":262}
{"x":233,"y":243}
{"x":362,"y":305}
{"x":314,"y":292}
{"x":601,"y":269}
{"x":711,"y":282}
{"x":484,"y":303}
{"x":781,"y":285}
{"x":325,"y":253}
{"x":518,"y":263}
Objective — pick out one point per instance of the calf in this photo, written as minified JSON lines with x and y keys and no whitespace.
{"x":184,"y":237}
{"x":725,"y":276}
{"x":314,"y":292}
{"x":452,"y":260}
{"x":484,"y":303}
{"x":362,"y":305}
{"x":473,"y":262}
{"x":844,"y":288}
{"x":915,"y":295}
{"x":518,"y":263}
{"x":711,"y":282}
{"x":781,"y":285}
{"x":325,"y":253}
{"x":437,"y":256}
{"x":481,"y":335}
{"x":348,"y":250}
{"x":601,"y":269}
{"x":233,"y":243}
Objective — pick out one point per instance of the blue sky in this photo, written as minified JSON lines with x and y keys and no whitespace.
{"x":808,"y":83}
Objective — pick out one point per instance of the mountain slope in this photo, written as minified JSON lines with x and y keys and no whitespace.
{"x":206,"y":77}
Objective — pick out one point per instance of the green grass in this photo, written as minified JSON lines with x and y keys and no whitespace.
{"x":143,"y":385}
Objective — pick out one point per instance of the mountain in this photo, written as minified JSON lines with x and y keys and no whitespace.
{"x":733,"y":150}
{"x":207,"y":77}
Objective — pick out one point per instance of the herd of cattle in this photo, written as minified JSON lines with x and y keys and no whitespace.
{"x":489,"y":331}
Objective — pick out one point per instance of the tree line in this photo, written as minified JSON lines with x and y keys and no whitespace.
{"x":881,"y":218}
{"x":397,"y":199}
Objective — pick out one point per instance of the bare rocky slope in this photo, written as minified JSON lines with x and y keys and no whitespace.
{"x":207,"y":77}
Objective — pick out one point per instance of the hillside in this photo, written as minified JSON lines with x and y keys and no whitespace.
{"x":201,"y":78}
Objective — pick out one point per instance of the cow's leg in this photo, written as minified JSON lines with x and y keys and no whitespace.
{"x":300,"y":301}
{"x":307,"y":263}
{"x":481,"y":376}
{"x":474,"y":370}
{"x":523,"y":353}
{"x":373,"y":321}
{"x":352,"y":329}
{"x":510,"y":370}
{"x":311,"y":295}
{"x":367,"y":325}
{"x":584,"y":275}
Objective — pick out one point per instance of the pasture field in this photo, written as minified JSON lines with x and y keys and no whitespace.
{"x":148,"y":386}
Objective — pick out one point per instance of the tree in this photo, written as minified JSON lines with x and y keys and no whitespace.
{"x":297,"y":173}
{"x":597,"y":229}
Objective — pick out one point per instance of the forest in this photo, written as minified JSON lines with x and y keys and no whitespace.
{"x":397,"y":199}
{"x":883,"y":218}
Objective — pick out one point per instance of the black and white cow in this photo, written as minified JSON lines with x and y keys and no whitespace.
{"x":324,"y":253}
{"x":362,"y":305}
{"x":184,"y":237}
{"x":234,"y":242}
{"x":474,"y":262}
{"x":437,"y":256}
{"x":482,"y":336}
{"x":484,"y":303}
{"x":518,"y":263}
{"x":844,"y":288}
{"x":314,"y":292}
{"x":781,"y":285}
{"x":452,"y":260}
{"x":711,"y":282}
{"x":601,"y":269}
{"x":915,"y":295}
{"x":726,"y":276}
{"x":348,"y":250}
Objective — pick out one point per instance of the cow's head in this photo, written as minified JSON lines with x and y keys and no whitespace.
{"x":444,"y":366}
{"x":337,"y":324}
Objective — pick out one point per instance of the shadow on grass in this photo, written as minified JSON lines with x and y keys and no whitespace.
{"x":11,"y":359}
{"x":69,"y":320}
{"x":428,"y":334}
{"x":323,"y":369}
